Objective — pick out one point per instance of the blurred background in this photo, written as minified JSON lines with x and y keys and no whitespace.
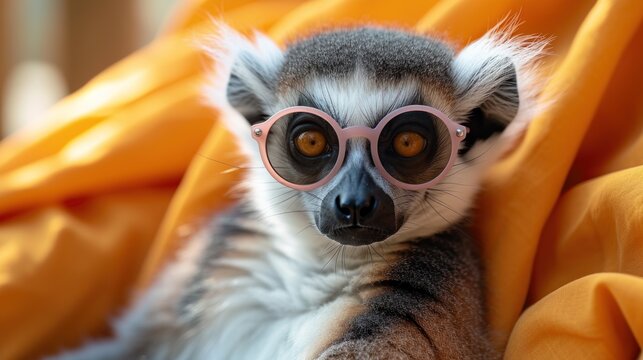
{"x":50,"y":48}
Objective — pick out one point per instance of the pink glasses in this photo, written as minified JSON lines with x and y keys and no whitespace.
{"x":413,"y":147}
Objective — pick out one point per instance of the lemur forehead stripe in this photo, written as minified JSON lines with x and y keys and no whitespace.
{"x":385,"y":54}
{"x":371,"y":114}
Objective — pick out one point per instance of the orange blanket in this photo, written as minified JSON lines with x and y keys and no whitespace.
{"x":94,"y":199}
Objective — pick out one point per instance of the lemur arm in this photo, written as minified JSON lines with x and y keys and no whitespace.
{"x":428,"y":304}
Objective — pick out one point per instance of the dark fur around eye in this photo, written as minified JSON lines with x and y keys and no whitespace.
{"x":303,"y":122}
{"x":480,"y":128}
{"x":417,"y":122}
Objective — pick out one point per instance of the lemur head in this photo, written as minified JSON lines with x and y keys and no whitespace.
{"x":357,"y":77}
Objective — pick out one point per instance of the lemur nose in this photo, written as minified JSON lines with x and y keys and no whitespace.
{"x":355,"y":208}
{"x":357,"y":211}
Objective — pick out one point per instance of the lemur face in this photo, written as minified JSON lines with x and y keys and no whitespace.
{"x":357,"y":77}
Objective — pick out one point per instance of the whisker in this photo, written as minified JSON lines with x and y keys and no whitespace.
{"x":313,"y":195}
{"x":403,"y":196}
{"x":331,"y":258}
{"x":305,"y":227}
{"x":294,"y":197}
{"x":289,"y":212}
{"x":229,"y":165}
{"x":238,"y":167}
{"x":337,"y":257}
{"x":330,"y":248}
{"x":439,"y":214}
{"x":439,"y":202}
{"x":451,"y":183}
{"x":455,"y":173}
{"x":443,"y":191}
{"x":378,"y":253}
{"x":477,"y":157}
{"x":287,"y":192}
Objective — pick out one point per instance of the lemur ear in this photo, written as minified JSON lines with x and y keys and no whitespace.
{"x":492,"y":79}
{"x":243,"y":78}
{"x":253,"y":77}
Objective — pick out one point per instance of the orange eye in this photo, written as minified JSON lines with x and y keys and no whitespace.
{"x":311,"y":143}
{"x":408,"y":144}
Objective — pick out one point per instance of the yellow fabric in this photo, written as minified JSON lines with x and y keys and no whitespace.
{"x":95,"y":198}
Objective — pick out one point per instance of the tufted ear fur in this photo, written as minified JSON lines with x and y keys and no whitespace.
{"x":243,"y":79}
{"x":253,"y":78}
{"x":494,"y":80}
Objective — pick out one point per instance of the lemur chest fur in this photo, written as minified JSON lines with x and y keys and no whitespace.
{"x":247,"y":291}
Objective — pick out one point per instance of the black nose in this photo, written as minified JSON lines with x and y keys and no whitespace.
{"x":355,"y":208}
{"x":357,"y":211}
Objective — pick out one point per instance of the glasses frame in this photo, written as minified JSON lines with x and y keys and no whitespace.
{"x":261,"y":130}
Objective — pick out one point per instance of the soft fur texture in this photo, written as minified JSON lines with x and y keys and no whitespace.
{"x":263,"y":282}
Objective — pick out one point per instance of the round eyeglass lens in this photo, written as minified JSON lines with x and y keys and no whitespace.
{"x":302,"y":148}
{"x":415,"y":147}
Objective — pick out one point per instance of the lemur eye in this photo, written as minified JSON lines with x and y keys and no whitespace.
{"x":408,"y":143}
{"x":311,"y":143}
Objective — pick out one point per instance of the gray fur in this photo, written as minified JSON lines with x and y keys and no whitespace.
{"x":253,"y":80}
{"x":495,"y":86}
{"x":226,"y":226}
{"x":386,"y":55}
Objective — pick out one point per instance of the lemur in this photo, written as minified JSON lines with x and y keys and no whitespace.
{"x":351,"y":239}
